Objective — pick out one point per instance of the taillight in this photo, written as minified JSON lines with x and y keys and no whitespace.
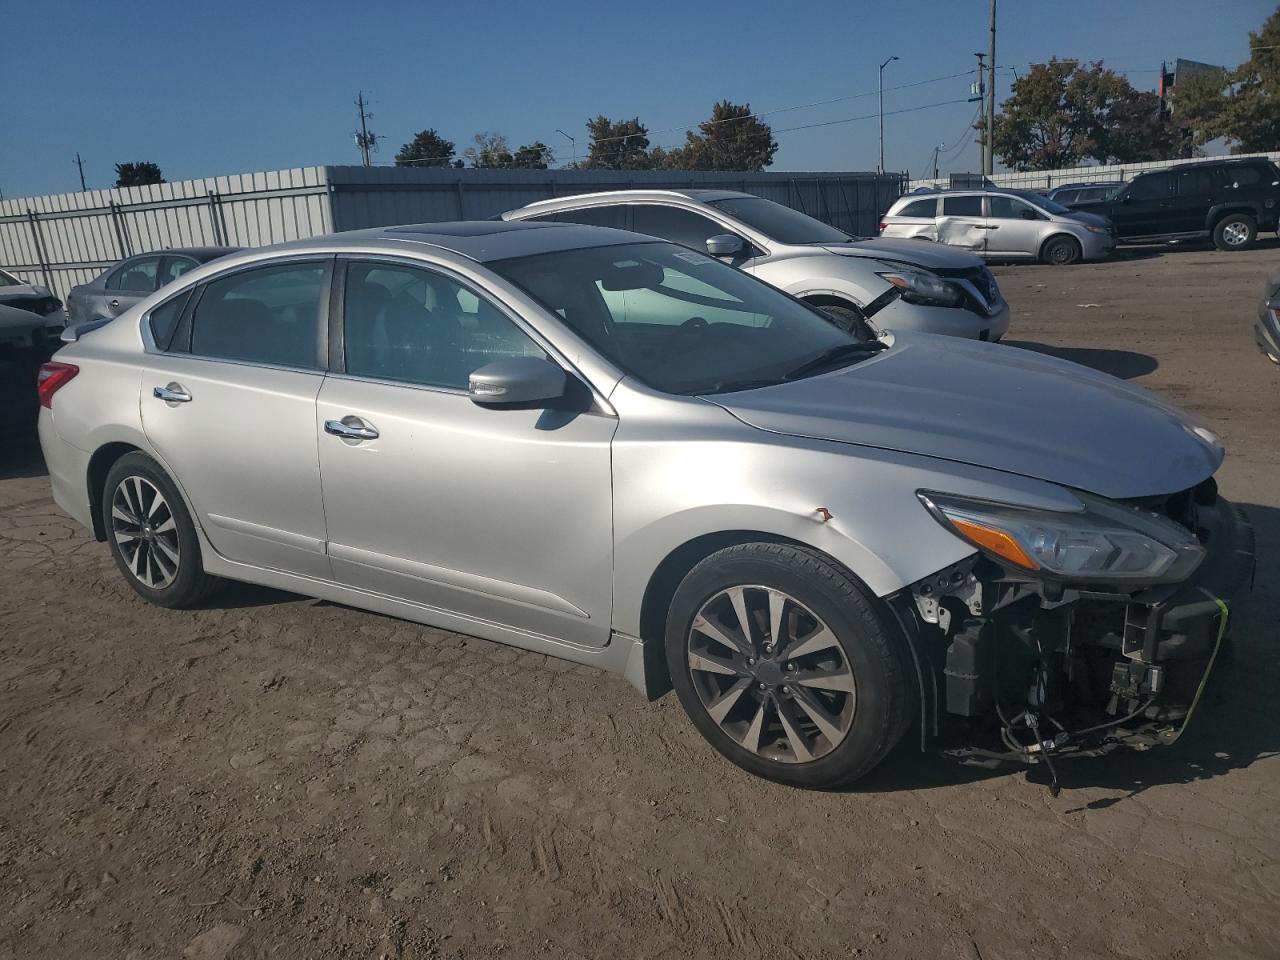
{"x":52,"y":377}
{"x":883,"y":224}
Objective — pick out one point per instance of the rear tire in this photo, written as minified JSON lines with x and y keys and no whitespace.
{"x":1235,"y":231}
{"x":847,"y":318}
{"x":816,"y":695}
{"x":1061,"y":251}
{"x":151,"y":536}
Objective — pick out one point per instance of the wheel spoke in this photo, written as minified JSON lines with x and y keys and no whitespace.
{"x":777,"y":604}
{"x":167,"y":550}
{"x":795,"y":738}
{"x":709,"y":628}
{"x":752,"y":738}
{"x":839,"y":678}
{"x":157,"y":502}
{"x":120,"y":513}
{"x":708,"y":662}
{"x":738,"y":597}
{"x":138,"y":564}
{"x":819,"y":715}
{"x":167,"y":526}
{"x":719,"y":708}
{"x":820,"y":639}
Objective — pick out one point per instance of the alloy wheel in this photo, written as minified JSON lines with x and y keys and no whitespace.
{"x":771,"y":674}
{"x":1235,"y":234}
{"x":145,"y":532}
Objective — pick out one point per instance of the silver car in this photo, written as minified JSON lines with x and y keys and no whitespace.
{"x":32,"y":298}
{"x":1001,"y":225}
{"x":866,"y":285}
{"x":619,"y":451}
{"x":133,"y":279}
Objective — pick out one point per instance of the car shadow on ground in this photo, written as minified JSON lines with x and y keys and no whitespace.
{"x":1236,"y":725}
{"x":1125,"y":364}
{"x":20,"y":457}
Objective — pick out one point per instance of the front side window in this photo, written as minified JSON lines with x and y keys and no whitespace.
{"x":926,"y":209}
{"x":136,"y":277}
{"x":1152,"y":186}
{"x":677,"y":320}
{"x":778,"y":222}
{"x":615,"y":216}
{"x":418,"y":326}
{"x":962,"y":206}
{"x":266,"y":315}
{"x":1011,"y":208}
{"x":672,"y":223}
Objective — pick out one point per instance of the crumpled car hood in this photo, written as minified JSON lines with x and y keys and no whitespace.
{"x":23,"y":290}
{"x":993,"y":406}
{"x":927,"y":253}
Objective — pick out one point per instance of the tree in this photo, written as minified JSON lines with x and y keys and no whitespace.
{"x":533,"y":156}
{"x":1242,"y":105}
{"x":137,"y":174}
{"x":732,"y":139}
{"x":490,"y":150}
{"x":618,"y":146}
{"x":426,"y":149}
{"x":1061,"y":113}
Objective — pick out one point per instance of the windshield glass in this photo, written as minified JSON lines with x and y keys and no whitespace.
{"x":1052,"y":206}
{"x":778,"y":222}
{"x":675,"y":319}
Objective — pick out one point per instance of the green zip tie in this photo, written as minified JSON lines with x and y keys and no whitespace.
{"x":1172,"y":735}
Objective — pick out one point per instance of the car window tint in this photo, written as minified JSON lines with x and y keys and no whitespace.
{"x":164,"y":319}
{"x":174,"y":267}
{"x":962,"y":206}
{"x":1152,"y":186}
{"x":1244,"y":175}
{"x":138,"y":276}
{"x":1010,"y":208}
{"x":679,"y":298}
{"x":1068,"y":196}
{"x":268,"y":315}
{"x":920,"y":208}
{"x":678,"y":226}
{"x":417,"y":326}
{"x":615,"y":216}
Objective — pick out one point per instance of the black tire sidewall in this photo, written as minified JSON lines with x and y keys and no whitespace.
{"x":1059,"y":243}
{"x":869,"y":646}
{"x":191,"y":583}
{"x":1219,"y":232}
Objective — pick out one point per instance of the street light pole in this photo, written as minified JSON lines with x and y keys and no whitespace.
{"x":573,"y":144}
{"x":880,"y":169}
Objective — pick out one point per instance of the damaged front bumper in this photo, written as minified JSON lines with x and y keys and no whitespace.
{"x":1014,"y":668}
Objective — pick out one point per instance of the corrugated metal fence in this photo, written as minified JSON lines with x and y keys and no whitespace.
{"x":66,"y":239}
{"x":1048,"y":179}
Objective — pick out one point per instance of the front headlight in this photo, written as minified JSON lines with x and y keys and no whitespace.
{"x":1092,"y":228}
{"x":924,"y":288}
{"x":1103,"y":541}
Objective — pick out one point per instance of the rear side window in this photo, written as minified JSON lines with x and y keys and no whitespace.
{"x":1246,"y":175}
{"x":268,"y":315}
{"x":1069,"y":196}
{"x":136,"y":277}
{"x":679,"y":226}
{"x":928,"y":209}
{"x":1151,"y":186}
{"x":962,"y":206}
{"x":164,"y":320}
{"x":174,"y":267}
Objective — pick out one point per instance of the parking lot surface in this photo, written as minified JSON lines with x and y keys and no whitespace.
{"x":276,"y":776}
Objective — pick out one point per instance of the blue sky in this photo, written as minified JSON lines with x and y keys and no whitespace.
{"x":231,"y":87}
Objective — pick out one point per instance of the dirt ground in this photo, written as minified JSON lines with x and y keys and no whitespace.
{"x":276,"y":776}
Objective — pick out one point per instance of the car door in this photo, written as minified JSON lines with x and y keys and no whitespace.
{"x":1196,"y":190}
{"x":229,"y":390}
{"x":1142,"y":209}
{"x":1014,"y":227}
{"x":498,"y":515}
{"x":963,"y":223}
{"x":129,"y":284}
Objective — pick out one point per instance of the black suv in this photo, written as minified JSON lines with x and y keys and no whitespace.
{"x":1228,"y":200}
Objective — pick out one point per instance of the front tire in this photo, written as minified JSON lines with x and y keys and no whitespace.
{"x":151,"y":536}
{"x":1236,"y":231}
{"x":783,"y":663}
{"x":1061,"y":251}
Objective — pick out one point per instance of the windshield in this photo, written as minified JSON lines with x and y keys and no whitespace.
{"x":778,"y":222}
{"x":9,"y":280}
{"x":1045,"y":203}
{"x":675,"y":319}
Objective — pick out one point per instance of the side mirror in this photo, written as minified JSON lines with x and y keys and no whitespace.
{"x":725,"y":245}
{"x":517,"y":381}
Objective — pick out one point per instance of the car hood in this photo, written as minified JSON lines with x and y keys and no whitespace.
{"x":993,"y":406}
{"x":925,"y":253}
{"x":1093,"y":219}
{"x":24,"y":290}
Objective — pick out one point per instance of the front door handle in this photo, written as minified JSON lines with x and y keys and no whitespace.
{"x":115,"y":303}
{"x":350,"y":428}
{"x":173,"y":393}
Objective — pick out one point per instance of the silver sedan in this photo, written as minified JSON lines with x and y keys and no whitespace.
{"x":619,"y":451}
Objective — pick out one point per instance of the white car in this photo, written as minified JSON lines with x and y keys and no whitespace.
{"x":31,"y":297}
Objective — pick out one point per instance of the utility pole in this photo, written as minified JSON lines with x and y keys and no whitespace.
{"x":980,"y":91}
{"x":880,"y":169}
{"x":573,"y":144}
{"x":989,"y":166}
{"x":936,"y":151}
{"x":80,"y":164}
{"x":365,"y":140}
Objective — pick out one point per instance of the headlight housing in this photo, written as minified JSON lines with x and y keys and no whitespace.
{"x":1103,"y":542}
{"x":924,"y":288}
{"x":1094,"y":228}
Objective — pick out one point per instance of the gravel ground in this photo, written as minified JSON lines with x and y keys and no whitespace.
{"x":276,"y":776}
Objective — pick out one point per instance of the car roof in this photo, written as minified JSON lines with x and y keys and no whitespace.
{"x":479,"y":240}
{"x":624,"y":196}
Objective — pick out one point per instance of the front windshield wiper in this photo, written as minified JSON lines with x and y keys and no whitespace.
{"x":835,"y":356}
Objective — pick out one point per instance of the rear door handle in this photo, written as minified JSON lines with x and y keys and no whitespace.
{"x":350,"y":428}
{"x":173,"y":393}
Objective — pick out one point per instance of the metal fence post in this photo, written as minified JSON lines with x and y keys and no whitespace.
{"x":121,"y":229}
{"x":462,"y":206}
{"x":34,"y":220}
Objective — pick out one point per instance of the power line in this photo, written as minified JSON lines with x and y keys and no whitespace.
{"x":872,"y":116}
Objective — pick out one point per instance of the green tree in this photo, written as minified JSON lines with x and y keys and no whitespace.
{"x":137,"y":174}
{"x":490,"y":151}
{"x":1250,"y":118}
{"x":533,"y":156}
{"x":426,"y":149}
{"x":1061,"y":113}
{"x":618,"y":146}
{"x":732,"y":139}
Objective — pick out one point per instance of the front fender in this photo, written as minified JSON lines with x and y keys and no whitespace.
{"x":847,"y":278}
